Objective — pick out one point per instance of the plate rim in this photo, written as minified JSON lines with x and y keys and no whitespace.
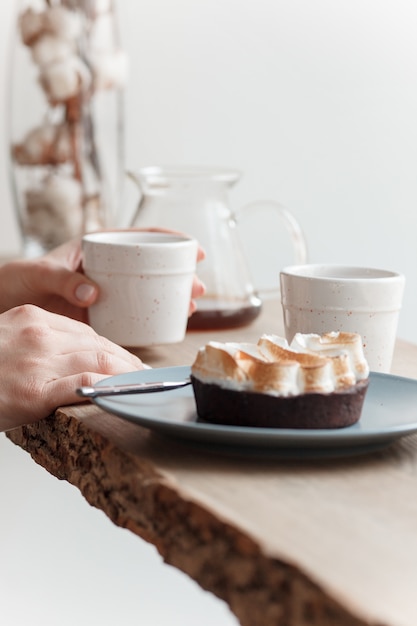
{"x":246,"y":435}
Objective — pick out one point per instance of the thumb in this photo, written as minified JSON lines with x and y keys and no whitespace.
{"x":85,"y":292}
{"x":74,"y":287}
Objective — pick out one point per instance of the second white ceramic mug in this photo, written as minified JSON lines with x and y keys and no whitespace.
{"x":145,"y":281}
{"x":319,"y":298}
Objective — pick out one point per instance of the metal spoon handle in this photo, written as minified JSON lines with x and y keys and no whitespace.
{"x":118,"y":390}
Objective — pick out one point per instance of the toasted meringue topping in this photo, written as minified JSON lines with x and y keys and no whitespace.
{"x":346,"y":346}
{"x":311,"y":364}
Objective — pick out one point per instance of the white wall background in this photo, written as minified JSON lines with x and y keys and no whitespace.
{"x":316,"y":102}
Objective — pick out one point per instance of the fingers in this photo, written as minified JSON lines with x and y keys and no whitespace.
{"x":46,"y":337}
{"x":72,"y":286}
{"x":198,"y":290}
{"x":106,"y":359}
{"x":45,"y":357}
{"x":56,"y":335}
{"x":85,"y":293}
{"x":68,"y":281}
{"x":84,"y":368}
{"x":75,"y":288}
{"x":67,"y":255}
{"x":57,"y":274}
{"x":65,"y":389}
{"x":201,"y":254}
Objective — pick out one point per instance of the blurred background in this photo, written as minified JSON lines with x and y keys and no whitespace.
{"x":315,"y":102}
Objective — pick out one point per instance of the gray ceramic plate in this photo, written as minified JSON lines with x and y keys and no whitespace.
{"x":389,"y":412}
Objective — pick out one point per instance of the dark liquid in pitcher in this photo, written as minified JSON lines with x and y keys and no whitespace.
{"x":224,"y":316}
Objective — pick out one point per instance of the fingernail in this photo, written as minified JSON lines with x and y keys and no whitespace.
{"x":85,"y":292}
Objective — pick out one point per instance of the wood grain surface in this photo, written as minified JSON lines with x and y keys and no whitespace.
{"x":284,"y":543}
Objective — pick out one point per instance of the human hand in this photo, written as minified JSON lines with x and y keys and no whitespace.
{"x":45,"y":358}
{"x":56,"y":283}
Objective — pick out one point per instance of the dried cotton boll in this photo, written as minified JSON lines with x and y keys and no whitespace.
{"x":54,"y":211}
{"x":101,"y":6}
{"x":34,"y":146}
{"x":102,"y":32}
{"x":92,"y":7}
{"x":62,"y":22}
{"x":44,"y":145}
{"x":110,"y":69}
{"x":49,"y":49}
{"x":31,"y":26}
{"x":37,"y":143}
{"x":63,"y":79}
{"x":62,"y":193}
{"x":62,"y":147}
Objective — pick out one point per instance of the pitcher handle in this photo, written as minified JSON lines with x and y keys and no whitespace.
{"x":135,"y":179}
{"x":292,"y":225}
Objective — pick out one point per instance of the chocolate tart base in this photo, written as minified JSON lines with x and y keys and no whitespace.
{"x":311,"y":410}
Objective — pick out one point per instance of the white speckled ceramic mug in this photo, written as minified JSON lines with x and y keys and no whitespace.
{"x":325,"y":298}
{"x":145,"y":281}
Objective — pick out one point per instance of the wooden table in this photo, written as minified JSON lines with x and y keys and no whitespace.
{"x":284,"y":543}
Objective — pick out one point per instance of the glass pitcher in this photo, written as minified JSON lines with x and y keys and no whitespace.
{"x":195,"y":201}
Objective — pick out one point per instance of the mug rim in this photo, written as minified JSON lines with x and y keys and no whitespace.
{"x":330,"y":272}
{"x":130,"y":238}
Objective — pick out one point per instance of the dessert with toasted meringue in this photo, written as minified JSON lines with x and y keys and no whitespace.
{"x":318,"y":381}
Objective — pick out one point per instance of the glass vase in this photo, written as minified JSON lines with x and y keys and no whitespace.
{"x":67,"y":79}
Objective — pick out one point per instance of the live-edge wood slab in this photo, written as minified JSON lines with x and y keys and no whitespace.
{"x":284,"y":543}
